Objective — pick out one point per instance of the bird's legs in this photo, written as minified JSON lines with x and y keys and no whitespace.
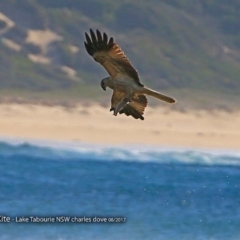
{"x":121,"y":105}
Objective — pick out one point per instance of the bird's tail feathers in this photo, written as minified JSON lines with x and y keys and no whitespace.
{"x":158,"y":95}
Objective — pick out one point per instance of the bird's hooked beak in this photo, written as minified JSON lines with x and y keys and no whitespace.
{"x":103,"y":85}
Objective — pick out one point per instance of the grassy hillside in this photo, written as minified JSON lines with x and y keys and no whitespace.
{"x":188,"y":48}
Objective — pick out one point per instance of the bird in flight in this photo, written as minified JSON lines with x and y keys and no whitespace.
{"x":128,"y":92}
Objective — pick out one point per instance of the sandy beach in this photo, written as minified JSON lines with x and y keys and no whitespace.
{"x":95,"y":124}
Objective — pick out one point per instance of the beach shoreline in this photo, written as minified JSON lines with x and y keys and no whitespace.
{"x":94,"y":124}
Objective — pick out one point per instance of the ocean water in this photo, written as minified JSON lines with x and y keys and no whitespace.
{"x":135,"y":192}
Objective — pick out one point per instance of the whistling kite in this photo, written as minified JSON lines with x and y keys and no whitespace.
{"x":128,"y":92}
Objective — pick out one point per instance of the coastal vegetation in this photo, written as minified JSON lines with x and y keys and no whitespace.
{"x":185,"y":47}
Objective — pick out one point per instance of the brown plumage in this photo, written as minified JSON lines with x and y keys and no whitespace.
{"x":110,"y":55}
{"x":135,"y":108}
{"x":128,"y":92}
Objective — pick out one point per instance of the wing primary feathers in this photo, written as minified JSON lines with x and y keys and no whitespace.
{"x":88,"y":45}
{"x":110,"y":43}
{"x":88,"y":48}
{"x":94,"y":39}
{"x":97,"y":42}
{"x":89,"y":42}
{"x":110,"y":55}
{"x":99,"y":37}
{"x":105,"y":38}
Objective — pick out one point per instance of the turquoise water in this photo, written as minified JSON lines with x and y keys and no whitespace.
{"x":154,"y":194}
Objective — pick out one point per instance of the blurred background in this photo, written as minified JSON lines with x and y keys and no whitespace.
{"x":152,"y":172}
{"x":187,"y":48}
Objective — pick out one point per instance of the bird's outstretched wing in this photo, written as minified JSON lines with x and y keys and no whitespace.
{"x":110,"y":56}
{"x":135,"y":108}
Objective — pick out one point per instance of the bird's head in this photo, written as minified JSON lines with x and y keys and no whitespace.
{"x":107,"y":82}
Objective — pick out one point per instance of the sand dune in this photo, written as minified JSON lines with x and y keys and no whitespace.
{"x":42,"y":38}
{"x":8,"y":21}
{"x":96,"y":124}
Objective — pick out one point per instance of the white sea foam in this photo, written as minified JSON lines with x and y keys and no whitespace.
{"x":137,"y":153}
